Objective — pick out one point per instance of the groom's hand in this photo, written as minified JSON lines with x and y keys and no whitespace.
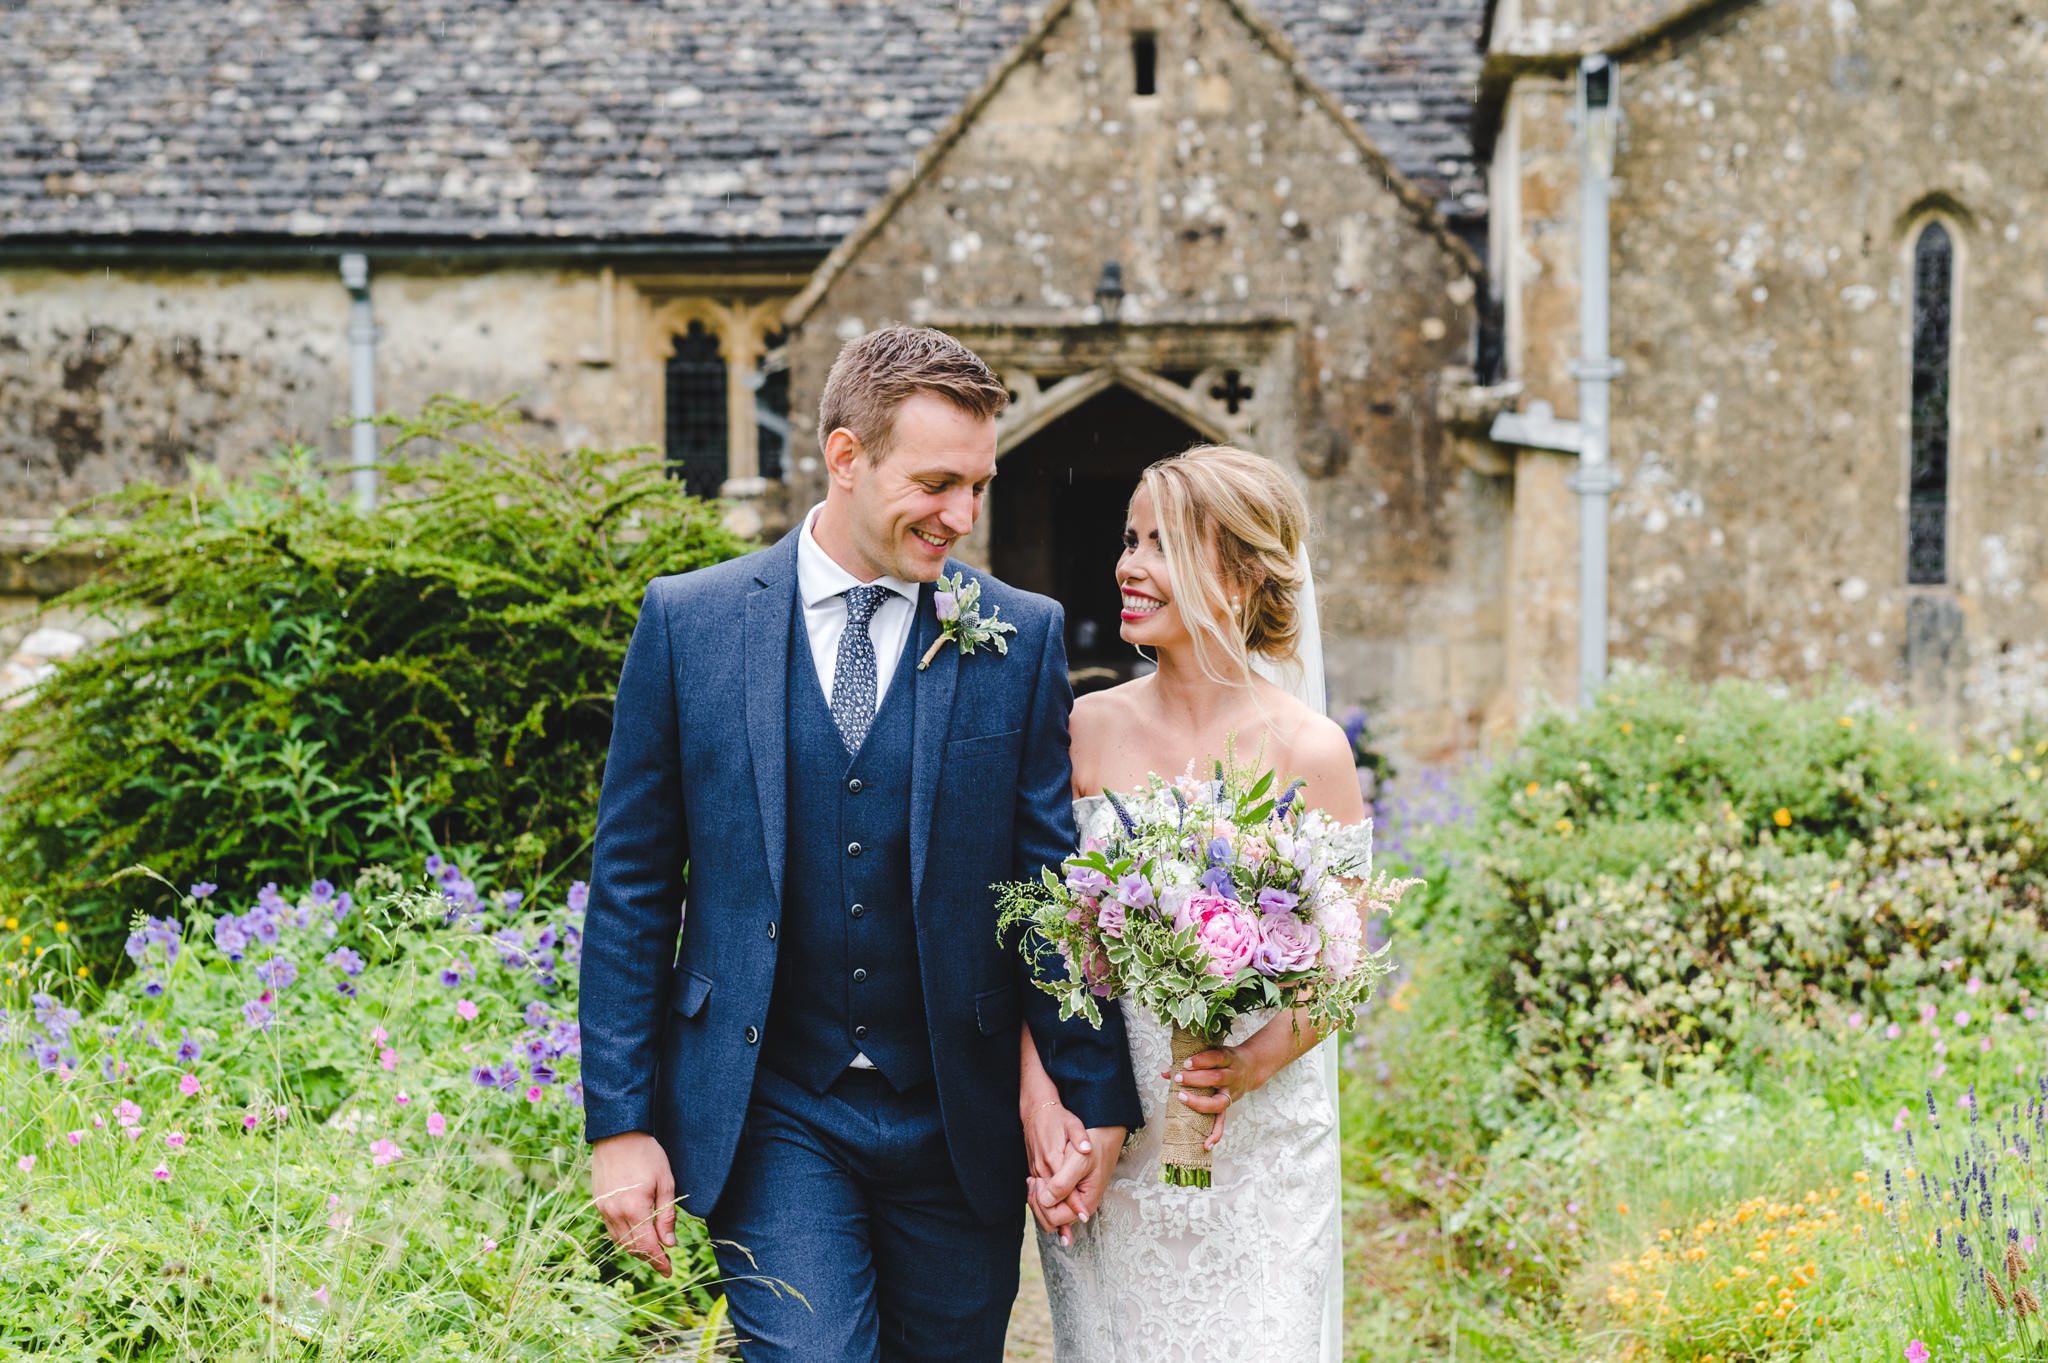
{"x":636,"y":1194}
{"x":1075,"y":1190}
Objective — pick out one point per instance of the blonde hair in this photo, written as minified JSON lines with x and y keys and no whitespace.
{"x":1254,"y":516}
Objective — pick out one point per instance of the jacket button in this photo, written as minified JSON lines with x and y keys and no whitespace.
{"x":860,"y":1034}
{"x":860,"y":976}
{"x":753,"y":1035}
{"x":858,"y":910}
{"x":853,"y":786}
{"x":771,"y":932}
{"x":853,"y":849}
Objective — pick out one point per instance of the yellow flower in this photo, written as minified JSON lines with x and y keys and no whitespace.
{"x":1564,"y":827}
{"x":1782,"y":818}
{"x":1531,"y":789}
{"x":82,"y":972}
{"x":2013,"y":755}
{"x":1627,"y":727}
{"x":1847,"y":722}
{"x":1679,"y":740}
{"x":1621,"y":1207}
{"x":12,"y":922}
{"x":62,"y":927}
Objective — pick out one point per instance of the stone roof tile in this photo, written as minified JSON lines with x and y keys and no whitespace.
{"x":580,"y":119}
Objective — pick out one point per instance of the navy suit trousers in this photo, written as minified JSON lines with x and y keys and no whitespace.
{"x":849,"y":1239}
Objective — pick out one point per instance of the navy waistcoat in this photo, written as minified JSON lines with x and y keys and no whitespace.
{"x":846,"y":976}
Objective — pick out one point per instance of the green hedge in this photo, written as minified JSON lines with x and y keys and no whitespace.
{"x":301,"y":690}
{"x":1641,"y":879}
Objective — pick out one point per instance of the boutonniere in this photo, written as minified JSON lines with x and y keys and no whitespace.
{"x":958,"y":601}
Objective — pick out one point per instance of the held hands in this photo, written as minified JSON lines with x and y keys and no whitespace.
{"x":1231,"y":1071}
{"x":1070,"y":1167}
{"x":636,"y":1194}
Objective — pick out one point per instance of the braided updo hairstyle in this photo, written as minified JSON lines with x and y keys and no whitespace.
{"x":1254,"y":516}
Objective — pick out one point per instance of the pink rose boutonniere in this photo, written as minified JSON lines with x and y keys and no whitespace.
{"x":958,"y":604}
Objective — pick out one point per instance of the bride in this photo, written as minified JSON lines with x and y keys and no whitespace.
{"x":1215,"y":582}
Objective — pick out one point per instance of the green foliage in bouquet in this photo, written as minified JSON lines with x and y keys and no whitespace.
{"x":1643,"y":879}
{"x":299,"y":685}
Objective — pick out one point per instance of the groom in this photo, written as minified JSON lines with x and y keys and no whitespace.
{"x":828,"y":1071}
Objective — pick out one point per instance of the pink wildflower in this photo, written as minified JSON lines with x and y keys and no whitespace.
{"x":249,"y":1122}
{"x":27,"y":1164}
{"x":189,"y":1085}
{"x":437,"y":1125}
{"x":74,"y":1137}
{"x":1893,"y":1032}
{"x":490,"y":1246}
{"x":1916,"y":1352}
{"x":1974,"y":985}
{"x":378,"y":1035}
{"x":126,"y":1113}
{"x":1962,"y":1019}
{"x":162,"y":1172}
{"x":1985,"y":1044}
{"x":533,"y":1094}
{"x":99,"y":1123}
{"x":465,"y":1010}
{"x":383,"y":1152}
{"x":403,"y":1100}
{"x":388,"y":1058}
{"x":175,"y":1140}
{"x":1899,"y":1122}
{"x":1855,"y":1022}
{"x":320,"y":1294}
{"x":133,"y":1133}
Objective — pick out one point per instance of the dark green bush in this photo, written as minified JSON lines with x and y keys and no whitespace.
{"x":300,"y":690}
{"x":1642,"y":878}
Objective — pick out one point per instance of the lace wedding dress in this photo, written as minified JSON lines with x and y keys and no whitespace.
{"x":1247,"y":1269}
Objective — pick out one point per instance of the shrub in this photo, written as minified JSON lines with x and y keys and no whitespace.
{"x":300,"y":685}
{"x":317,"y":1127}
{"x":1641,"y":877}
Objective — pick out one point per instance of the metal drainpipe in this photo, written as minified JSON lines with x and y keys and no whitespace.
{"x":1595,"y":369}
{"x":362,"y":376}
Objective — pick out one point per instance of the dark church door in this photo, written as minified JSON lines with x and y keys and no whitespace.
{"x":1059,"y":504}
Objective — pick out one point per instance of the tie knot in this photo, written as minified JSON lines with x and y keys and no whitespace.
{"x":862,"y":603}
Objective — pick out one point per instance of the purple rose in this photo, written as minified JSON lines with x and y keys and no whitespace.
{"x":1230,"y":937}
{"x":1277,"y":901}
{"x":1290,"y":945}
{"x":947,"y":606}
{"x":1086,"y":881}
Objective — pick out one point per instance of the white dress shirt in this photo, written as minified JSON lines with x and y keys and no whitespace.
{"x":821,"y":584}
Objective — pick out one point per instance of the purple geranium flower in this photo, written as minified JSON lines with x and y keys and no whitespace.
{"x":188,"y":1049}
{"x":153,"y":987}
{"x":512,"y":899}
{"x":203,"y":889}
{"x":483,"y":1076}
{"x":434,"y":863}
{"x":579,"y":896}
{"x":323,"y":890}
{"x":256,"y":1015}
{"x":350,"y":961}
{"x":278,"y":972}
{"x":48,"y":1056}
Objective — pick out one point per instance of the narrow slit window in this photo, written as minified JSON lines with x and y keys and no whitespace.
{"x":1145,"y":62}
{"x":697,"y":412}
{"x":771,"y":408}
{"x":1927,"y":490}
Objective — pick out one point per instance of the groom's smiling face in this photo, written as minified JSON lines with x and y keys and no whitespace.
{"x":900,"y":514}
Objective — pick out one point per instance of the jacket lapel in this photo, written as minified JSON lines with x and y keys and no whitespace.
{"x":771,"y":609}
{"x":934,"y":713}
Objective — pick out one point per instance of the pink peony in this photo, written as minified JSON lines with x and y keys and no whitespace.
{"x":1340,"y":956}
{"x":1288,"y":945}
{"x":1338,"y":917}
{"x":1199,"y":908}
{"x":1230,"y":936}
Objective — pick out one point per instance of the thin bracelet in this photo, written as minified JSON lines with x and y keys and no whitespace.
{"x":1050,"y":1102}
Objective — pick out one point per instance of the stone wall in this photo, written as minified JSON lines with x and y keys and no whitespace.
{"x":1777,"y":162}
{"x":1243,"y":213}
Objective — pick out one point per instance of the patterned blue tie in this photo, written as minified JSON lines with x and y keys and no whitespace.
{"x":853,"y":674}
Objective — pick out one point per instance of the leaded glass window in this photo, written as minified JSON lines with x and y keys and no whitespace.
{"x":1927,"y":490}
{"x":697,"y":412}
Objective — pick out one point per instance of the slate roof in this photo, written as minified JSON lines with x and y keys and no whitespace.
{"x":745,"y":120}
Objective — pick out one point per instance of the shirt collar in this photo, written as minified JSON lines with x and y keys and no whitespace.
{"x":819,"y":576}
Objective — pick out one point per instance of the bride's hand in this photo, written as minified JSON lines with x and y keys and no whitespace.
{"x":1230,"y":1071}
{"x":1059,"y":1151}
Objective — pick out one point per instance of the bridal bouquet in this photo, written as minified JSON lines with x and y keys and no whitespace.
{"x":1209,"y":900}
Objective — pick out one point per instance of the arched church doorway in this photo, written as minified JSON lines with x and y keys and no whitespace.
{"x":1058,"y":507}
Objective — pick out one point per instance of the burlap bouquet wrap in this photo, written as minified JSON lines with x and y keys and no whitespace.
{"x":1184,"y":1159}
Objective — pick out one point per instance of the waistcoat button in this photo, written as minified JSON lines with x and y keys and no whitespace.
{"x":753,"y":1035}
{"x":859,"y":976}
{"x":853,"y":849}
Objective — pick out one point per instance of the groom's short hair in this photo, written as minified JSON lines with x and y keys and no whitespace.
{"x":876,"y":373}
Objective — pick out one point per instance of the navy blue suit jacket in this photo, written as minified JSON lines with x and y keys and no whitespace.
{"x":694,"y":808}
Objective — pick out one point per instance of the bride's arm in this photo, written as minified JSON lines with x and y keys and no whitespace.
{"x":1322,"y":754}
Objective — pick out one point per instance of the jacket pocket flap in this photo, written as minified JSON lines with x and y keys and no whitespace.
{"x":995,"y":1010}
{"x":692,"y":990}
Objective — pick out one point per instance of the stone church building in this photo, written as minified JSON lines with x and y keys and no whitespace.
{"x":1348,"y":234}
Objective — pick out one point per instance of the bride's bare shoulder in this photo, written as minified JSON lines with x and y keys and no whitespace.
{"x":1318,"y":751}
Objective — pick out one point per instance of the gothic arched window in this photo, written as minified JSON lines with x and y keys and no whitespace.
{"x":697,"y":412}
{"x":1927,"y":487}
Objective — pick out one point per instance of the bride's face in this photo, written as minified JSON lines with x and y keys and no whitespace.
{"x":1150,"y":618}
